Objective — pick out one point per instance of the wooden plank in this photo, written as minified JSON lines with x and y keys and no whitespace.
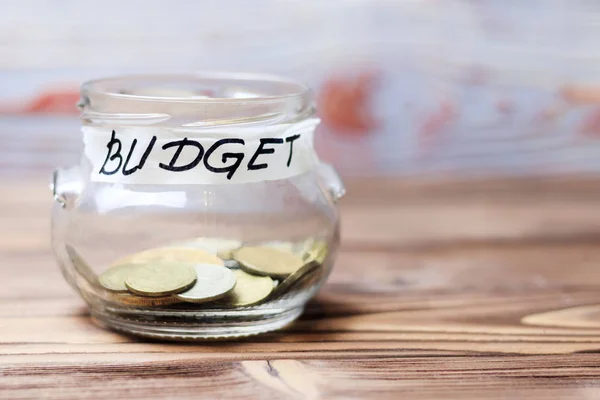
{"x":565,"y":377}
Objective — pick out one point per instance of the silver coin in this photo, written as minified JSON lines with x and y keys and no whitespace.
{"x":212,"y":283}
{"x":232,"y":264}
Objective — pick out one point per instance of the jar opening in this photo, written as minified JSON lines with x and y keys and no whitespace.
{"x":196,"y":99}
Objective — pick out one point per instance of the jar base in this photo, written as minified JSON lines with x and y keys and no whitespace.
{"x":199,"y":326}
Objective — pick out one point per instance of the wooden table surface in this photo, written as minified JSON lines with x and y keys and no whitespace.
{"x":470,"y":290}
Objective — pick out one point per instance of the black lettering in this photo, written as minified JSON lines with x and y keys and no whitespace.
{"x":113,"y":142}
{"x":237,"y":156}
{"x":142,"y":159}
{"x":261,"y":150}
{"x":290,"y":140}
{"x":181,"y":144}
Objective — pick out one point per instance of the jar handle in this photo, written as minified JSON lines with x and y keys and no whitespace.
{"x":332,"y":180}
{"x":66,"y":181}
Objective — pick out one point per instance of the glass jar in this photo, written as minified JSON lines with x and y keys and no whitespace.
{"x":199,"y":209}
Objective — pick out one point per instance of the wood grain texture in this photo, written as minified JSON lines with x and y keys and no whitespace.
{"x":470,"y":290}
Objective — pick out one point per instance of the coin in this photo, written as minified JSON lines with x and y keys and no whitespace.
{"x":317,"y":252}
{"x":232,"y":264}
{"x":134,"y":300}
{"x":172,"y":254}
{"x":217,"y":246}
{"x":81,"y":265}
{"x":248,"y":290}
{"x":212,"y":283}
{"x":291,"y":280}
{"x":114,"y":278}
{"x":267,"y":261}
{"x":158,"y":279}
{"x":280,"y":245}
{"x":303,"y":247}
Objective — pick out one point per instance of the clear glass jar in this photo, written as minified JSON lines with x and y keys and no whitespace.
{"x":178,"y":167}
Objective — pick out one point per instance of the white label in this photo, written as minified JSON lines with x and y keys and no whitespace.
{"x":147,"y":155}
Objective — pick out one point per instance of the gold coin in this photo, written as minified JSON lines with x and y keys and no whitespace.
{"x":248,"y":290}
{"x":133,"y":300}
{"x":212,"y":283}
{"x":267,"y":261}
{"x":218,"y":246}
{"x":318,"y":252}
{"x":160,"y":278}
{"x":114,"y":278}
{"x":287,"y":247}
{"x":172,"y":254}
{"x":303,"y":247}
{"x":81,"y":266}
{"x":291,"y":280}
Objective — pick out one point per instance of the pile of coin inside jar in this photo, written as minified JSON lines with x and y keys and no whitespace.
{"x":212,"y":271}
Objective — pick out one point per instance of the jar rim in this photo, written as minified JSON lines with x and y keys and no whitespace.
{"x":217,"y":98}
{"x":115,"y":86}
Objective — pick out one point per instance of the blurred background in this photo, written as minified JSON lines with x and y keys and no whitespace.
{"x":435,"y":102}
{"x":417,"y":87}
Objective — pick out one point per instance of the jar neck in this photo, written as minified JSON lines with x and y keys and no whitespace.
{"x":206,"y":128}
